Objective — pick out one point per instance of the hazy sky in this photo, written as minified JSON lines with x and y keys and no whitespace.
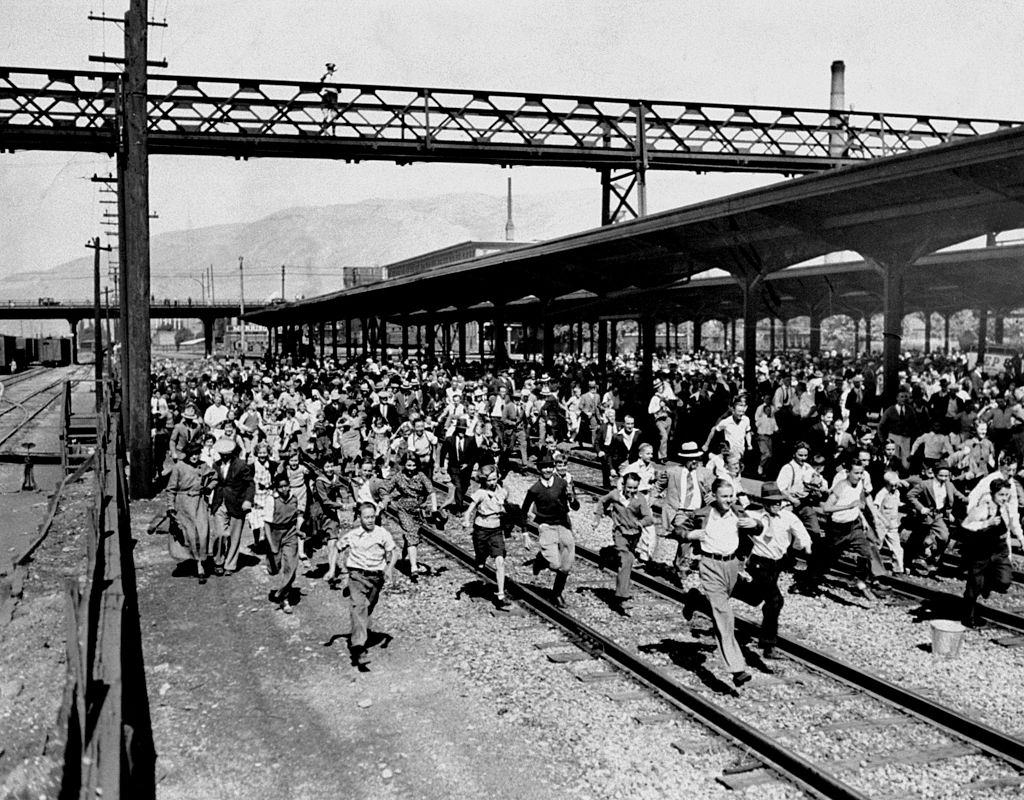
{"x":951,"y":58}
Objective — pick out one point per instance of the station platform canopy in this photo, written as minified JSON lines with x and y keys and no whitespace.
{"x":891,"y":211}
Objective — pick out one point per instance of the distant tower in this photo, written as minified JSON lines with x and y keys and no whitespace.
{"x":510,"y":228}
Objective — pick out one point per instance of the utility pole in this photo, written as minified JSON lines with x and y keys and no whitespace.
{"x":241,"y":305}
{"x":97,"y":336}
{"x":106,"y":299}
{"x":282,"y":282}
{"x":133,"y":194}
{"x":213,"y":297}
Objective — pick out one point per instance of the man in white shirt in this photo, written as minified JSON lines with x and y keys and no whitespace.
{"x":802,"y":487}
{"x":986,"y":546}
{"x":215,"y":415}
{"x":717,"y":529}
{"x":660,"y":409}
{"x":845,"y":507}
{"x":782,"y":529}
{"x":736,"y":429}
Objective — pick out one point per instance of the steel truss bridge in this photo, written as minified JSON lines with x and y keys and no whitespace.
{"x":622,"y":138}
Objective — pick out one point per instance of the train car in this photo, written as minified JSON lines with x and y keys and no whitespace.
{"x":20,"y":352}
{"x":6,"y":353}
{"x":54,"y":351}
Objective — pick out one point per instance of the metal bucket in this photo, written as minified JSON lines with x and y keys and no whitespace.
{"x":947,"y":637}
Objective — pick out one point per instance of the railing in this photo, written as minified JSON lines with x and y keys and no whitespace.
{"x":109,"y":747}
{"x":203,"y":115}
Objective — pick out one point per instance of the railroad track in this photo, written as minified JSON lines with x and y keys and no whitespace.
{"x":29,"y":415}
{"x":932,"y":594}
{"x":793,"y":723}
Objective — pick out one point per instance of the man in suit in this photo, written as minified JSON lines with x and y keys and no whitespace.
{"x":514,"y":425}
{"x":820,"y":430}
{"x":898,"y":424}
{"x":233,"y":494}
{"x":385,"y":410}
{"x":625,"y":445}
{"x":933,"y":498}
{"x":458,"y":455}
{"x":857,"y":402}
{"x":683,"y":493}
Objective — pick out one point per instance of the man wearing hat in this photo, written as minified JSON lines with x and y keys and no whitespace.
{"x":458,"y":455}
{"x":233,"y":494}
{"x":551,"y":500}
{"x":782,"y":529}
{"x":683,"y":493}
{"x":660,"y":408}
{"x":184,"y":433}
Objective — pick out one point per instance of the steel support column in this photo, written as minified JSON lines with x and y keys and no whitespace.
{"x":461,"y":335}
{"x":982,"y":334}
{"x":74,"y":340}
{"x":856,"y":336}
{"x":892,"y":331}
{"x":867,"y":334}
{"x":785,"y":335}
{"x":549,"y":345}
{"x":446,"y":340}
{"x":647,"y":344}
{"x":428,"y":334}
{"x":945,"y":332}
{"x":732,"y":337}
{"x":334,"y":339}
{"x":382,"y":340}
{"x":208,"y":336}
{"x":500,"y":340}
{"x":751,"y":304}
{"x":998,"y":327}
{"x":602,"y":350}
{"x":419,"y":340}
{"x":815,"y":331}
{"x":696,"y":339}
{"x":480,"y":340}
{"x":771,"y":336}
{"x":405,"y":339}
{"x":320,"y":334}
{"x":927,"y":330}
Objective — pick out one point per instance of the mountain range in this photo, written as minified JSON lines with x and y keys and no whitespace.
{"x":315,"y":242}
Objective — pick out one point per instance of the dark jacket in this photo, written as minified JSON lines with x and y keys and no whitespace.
{"x":454,"y":463}
{"x":618,"y":452}
{"x":234,"y":488}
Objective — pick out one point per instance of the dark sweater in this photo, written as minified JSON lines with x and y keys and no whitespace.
{"x":551,"y":503}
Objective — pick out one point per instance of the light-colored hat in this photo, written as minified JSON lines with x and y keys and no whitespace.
{"x":689,"y":450}
{"x":189,"y":413}
{"x":224,"y":446}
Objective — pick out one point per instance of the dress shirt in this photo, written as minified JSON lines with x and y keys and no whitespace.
{"x":369,"y":550}
{"x":720,"y":535}
{"x":779,"y":532}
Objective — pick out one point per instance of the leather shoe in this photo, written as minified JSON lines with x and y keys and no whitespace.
{"x":740,"y":678}
{"x":690,"y":605}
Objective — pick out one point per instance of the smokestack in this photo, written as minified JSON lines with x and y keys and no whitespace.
{"x":510,"y":228}
{"x":837,"y":102}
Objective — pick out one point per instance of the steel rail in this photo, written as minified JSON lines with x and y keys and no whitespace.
{"x":795,"y":767}
{"x":987,"y":738}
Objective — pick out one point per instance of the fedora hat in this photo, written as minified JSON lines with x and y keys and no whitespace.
{"x":689,"y":450}
{"x":224,"y":446}
{"x":189,"y":413}
{"x":770,"y":493}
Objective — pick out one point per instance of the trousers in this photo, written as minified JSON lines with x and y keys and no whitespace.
{"x":625,"y":546}
{"x":229,"y":540}
{"x":764,"y":588}
{"x":840,"y":538}
{"x":989,"y":569}
{"x":364,"y":591}
{"x":283,"y":556}
{"x":557,"y":546}
{"x":718,"y":579}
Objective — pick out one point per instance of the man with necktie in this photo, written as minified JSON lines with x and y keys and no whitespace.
{"x":683,"y":493}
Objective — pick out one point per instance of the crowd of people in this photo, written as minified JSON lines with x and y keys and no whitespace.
{"x":290,"y":461}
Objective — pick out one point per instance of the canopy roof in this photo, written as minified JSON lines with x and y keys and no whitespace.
{"x":890,"y":210}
